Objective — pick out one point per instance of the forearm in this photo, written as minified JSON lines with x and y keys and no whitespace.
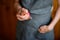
{"x":17,"y":5}
{"x":55,"y":20}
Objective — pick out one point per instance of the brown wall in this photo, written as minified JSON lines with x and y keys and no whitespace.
{"x":8,"y":20}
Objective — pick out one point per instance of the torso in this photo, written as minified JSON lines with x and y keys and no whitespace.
{"x":37,"y":5}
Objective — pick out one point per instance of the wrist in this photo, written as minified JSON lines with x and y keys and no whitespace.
{"x":50,"y":27}
{"x":19,"y":9}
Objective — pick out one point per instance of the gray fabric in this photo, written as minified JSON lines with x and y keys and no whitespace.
{"x":28,"y":30}
{"x":37,"y":6}
{"x":40,"y":11}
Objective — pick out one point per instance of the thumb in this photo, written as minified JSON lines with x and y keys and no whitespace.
{"x":24,"y":10}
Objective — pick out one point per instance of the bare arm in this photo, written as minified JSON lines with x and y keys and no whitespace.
{"x":47,"y":28}
{"x":56,"y":18}
{"x":59,"y":2}
{"x":22,"y":13}
{"x":17,"y":5}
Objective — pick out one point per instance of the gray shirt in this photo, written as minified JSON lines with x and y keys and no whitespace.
{"x":37,"y":6}
{"x":40,"y":12}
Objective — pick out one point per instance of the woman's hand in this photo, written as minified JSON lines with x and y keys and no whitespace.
{"x":45,"y":29}
{"x":24,"y":15}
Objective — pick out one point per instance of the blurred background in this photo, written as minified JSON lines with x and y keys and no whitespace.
{"x":8,"y":20}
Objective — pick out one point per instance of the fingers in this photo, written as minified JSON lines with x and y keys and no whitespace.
{"x":22,"y":18}
{"x":25,"y":15}
{"x":43,"y":29}
{"x":19,"y":18}
{"x":22,"y":11}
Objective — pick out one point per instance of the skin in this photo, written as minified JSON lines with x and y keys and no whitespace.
{"x":51,"y":26}
{"x":24,"y":15}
